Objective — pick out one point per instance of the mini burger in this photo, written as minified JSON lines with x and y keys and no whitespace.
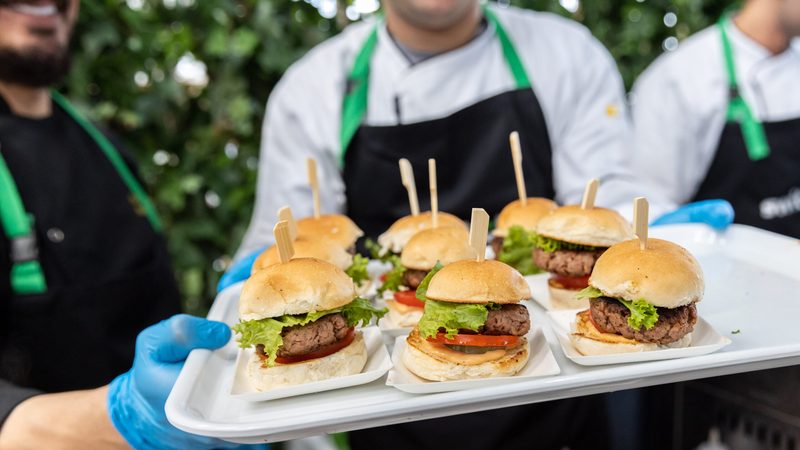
{"x":424,"y":253}
{"x":514,"y":236}
{"x":473,"y":325}
{"x":392,"y":241}
{"x":336,"y":227}
{"x":300,"y":317}
{"x":321,"y":248}
{"x":569,"y":240}
{"x":640,"y":299}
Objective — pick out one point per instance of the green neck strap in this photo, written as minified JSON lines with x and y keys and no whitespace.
{"x":354,"y":105}
{"x":27,"y":276}
{"x":738,"y":111}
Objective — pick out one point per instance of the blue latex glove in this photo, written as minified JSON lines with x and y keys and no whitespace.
{"x":136,"y":398}
{"x":239,"y":271}
{"x":716,"y":213}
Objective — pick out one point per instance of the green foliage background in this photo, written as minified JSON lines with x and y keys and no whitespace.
{"x":198,"y":146}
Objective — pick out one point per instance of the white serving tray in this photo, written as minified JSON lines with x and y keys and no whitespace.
{"x":705,"y":340}
{"x":542,"y":363}
{"x":752,"y":280}
{"x":378,"y":363}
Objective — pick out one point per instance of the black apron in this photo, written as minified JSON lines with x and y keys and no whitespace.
{"x":472,"y":141}
{"x":81,"y":332}
{"x":756,"y":165}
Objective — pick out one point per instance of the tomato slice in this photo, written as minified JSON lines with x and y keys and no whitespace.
{"x":408,"y":298}
{"x":321,"y":353}
{"x":383,"y":277}
{"x":477,"y":340}
{"x":572,"y":283}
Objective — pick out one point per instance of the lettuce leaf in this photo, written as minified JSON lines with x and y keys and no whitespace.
{"x":377,"y":252}
{"x":643,"y":314}
{"x":550,"y":245}
{"x":452,"y":317}
{"x":589,"y":292}
{"x":358,"y":270}
{"x":267,"y":332}
{"x":394,"y":277}
{"x":422,"y":289}
{"x":517,"y":250}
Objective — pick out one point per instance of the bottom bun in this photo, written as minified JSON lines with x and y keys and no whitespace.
{"x":589,"y":341}
{"x":561,"y":298}
{"x":403,"y":316}
{"x":347,"y":361}
{"x":437,"y":368}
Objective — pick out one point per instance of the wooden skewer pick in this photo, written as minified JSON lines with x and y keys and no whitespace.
{"x":407,"y":177}
{"x":478,"y":230}
{"x":285,"y":213}
{"x":640,"y":218}
{"x":314,"y":182}
{"x":516,"y":157}
{"x":283,"y":241}
{"x":590,"y":193}
{"x":434,"y":192}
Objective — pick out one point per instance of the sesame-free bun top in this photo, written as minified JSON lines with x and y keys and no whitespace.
{"x":664,"y":274}
{"x":336,"y":227}
{"x":396,"y":237}
{"x":597,"y":227}
{"x":446,"y":245}
{"x":296,"y":287}
{"x":478,"y":282}
{"x":307,"y":247}
{"x":527,"y":216}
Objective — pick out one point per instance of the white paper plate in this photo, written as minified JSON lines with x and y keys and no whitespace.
{"x":378,"y":363}
{"x":542,"y":363}
{"x":389,"y":327}
{"x":705,"y":340}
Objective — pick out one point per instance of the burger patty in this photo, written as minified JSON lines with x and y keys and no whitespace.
{"x":497,"y":245}
{"x":611,"y":316}
{"x":412,"y":278}
{"x":303,"y":339}
{"x":567,"y":263}
{"x":510,"y":320}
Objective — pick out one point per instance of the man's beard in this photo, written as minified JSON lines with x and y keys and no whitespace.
{"x":33,"y":67}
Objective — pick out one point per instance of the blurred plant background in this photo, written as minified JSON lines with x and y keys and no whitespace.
{"x":184,"y":84}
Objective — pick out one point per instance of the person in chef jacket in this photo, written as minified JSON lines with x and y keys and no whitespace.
{"x":720,"y":117}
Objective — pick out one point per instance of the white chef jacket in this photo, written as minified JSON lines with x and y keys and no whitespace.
{"x":574,"y":78}
{"x":679,"y":106}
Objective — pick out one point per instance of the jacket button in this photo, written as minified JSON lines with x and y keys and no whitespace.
{"x":55,"y":235}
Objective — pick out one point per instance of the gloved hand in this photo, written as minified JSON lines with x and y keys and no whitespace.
{"x":716,"y":213}
{"x":239,"y":271}
{"x":136,"y":398}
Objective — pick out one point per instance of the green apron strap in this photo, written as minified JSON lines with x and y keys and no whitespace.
{"x":116,"y":161}
{"x":510,"y":53}
{"x":738,"y":111}
{"x":354,"y":105}
{"x":26,"y":275}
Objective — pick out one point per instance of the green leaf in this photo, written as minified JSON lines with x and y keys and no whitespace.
{"x":267,"y":332}
{"x":643,"y":314}
{"x":377,"y":252}
{"x":394,"y":277}
{"x":517,"y":250}
{"x":422,"y":289}
{"x":358,"y":270}
{"x":589,"y":292}
{"x":451,"y":317}
{"x":550,"y":245}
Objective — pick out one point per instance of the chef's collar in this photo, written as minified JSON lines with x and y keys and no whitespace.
{"x":754,"y":48}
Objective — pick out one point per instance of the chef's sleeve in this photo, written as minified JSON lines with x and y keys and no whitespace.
{"x":12,"y":395}
{"x":665,"y":143}
{"x":289,"y":137}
